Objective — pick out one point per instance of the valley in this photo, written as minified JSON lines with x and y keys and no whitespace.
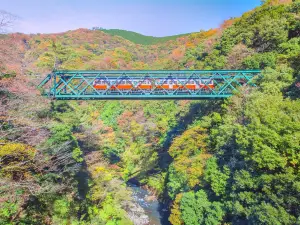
{"x":120,"y":162}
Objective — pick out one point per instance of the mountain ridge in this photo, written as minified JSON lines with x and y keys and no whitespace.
{"x":139,"y":38}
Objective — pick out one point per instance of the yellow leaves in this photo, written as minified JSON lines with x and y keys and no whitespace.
{"x":136,"y":128}
{"x":101,"y":173}
{"x":175,"y":217}
{"x":44,"y":45}
{"x":192,"y":167}
{"x":189,"y":143}
{"x":17,"y":150}
{"x":73,"y":63}
{"x":95,"y":115}
{"x":294,"y":162}
{"x":140,"y":66}
{"x":15,"y":160}
{"x":99,"y":169}
{"x":189,"y":153}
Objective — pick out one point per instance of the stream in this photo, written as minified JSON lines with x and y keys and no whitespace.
{"x":146,"y":208}
{"x":156,"y":211}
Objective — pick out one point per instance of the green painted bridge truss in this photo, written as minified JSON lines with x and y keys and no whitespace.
{"x":164,"y":84}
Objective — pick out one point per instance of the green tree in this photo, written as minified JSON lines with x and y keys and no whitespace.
{"x":197,"y":209}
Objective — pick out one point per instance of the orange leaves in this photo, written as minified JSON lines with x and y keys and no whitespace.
{"x":277,"y":2}
{"x":227,"y":23}
{"x":107,"y":60}
{"x":189,"y":44}
{"x":177,"y":54}
{"x":210,"y":33}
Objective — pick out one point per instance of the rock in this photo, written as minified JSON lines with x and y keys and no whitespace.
{"x":150,"y":198}
{"x":137,"y":214}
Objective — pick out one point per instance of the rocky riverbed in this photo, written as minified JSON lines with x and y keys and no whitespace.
{"x":146,"y":209}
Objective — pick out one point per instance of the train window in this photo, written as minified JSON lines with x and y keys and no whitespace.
{"x":165,"y":82}
{"x":171,"y":82}
{"x":192,"y":82}
{"x":175,"y":81}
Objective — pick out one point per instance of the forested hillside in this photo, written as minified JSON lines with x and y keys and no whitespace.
{"x":139,"y":38}
{"x":234,"y":161}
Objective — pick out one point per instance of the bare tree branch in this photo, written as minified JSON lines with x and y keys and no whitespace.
{"x":6,"y":21}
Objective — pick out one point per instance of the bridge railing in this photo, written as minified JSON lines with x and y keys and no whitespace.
{"x":150,"y":84}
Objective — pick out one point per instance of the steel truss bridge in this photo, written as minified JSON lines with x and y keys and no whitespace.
{"x":210,"y":84}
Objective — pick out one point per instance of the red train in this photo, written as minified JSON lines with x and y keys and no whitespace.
{"x":151,"y":84}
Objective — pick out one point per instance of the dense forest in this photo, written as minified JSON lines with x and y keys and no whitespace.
{"x":233,"y":161}
{"x":138,"y":38}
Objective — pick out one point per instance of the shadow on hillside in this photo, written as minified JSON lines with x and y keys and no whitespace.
{"x":197,"y":110}
{"x":83,"y":175}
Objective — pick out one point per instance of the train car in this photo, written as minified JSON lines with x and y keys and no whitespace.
{"x":146,"y":84}
{"x":184,"y":84}
{"x":122,"y":85}
{"x":163,"y":84}
{"x":100,"y":84}
{"x":206,"y":84}
{"x":103,"y":84}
